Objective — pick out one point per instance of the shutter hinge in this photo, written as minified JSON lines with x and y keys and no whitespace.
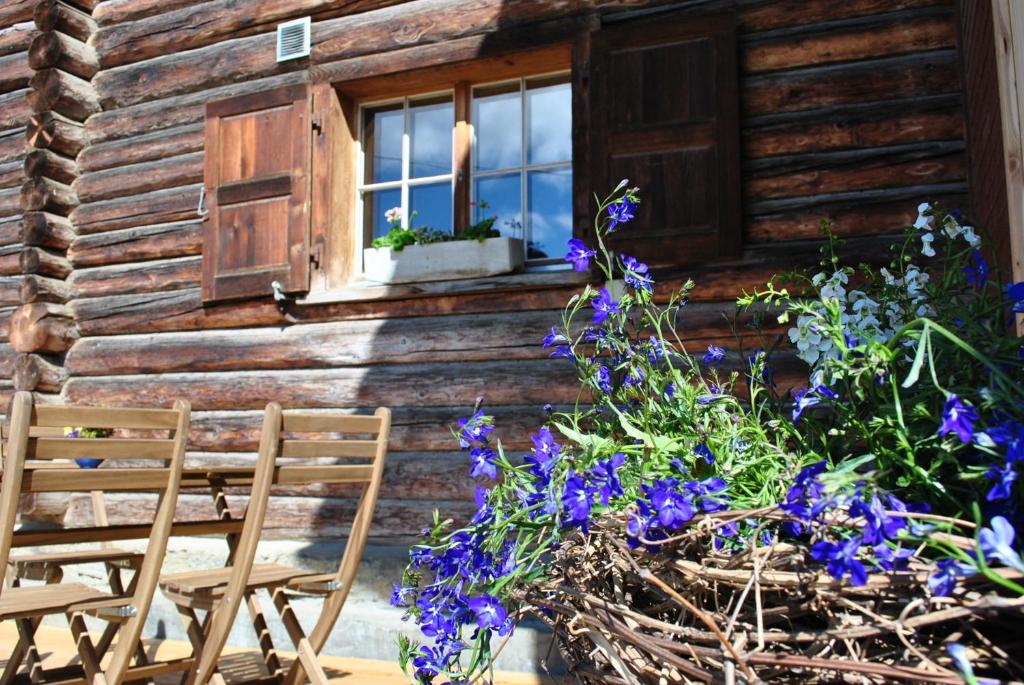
{"x":318,"y":124}
{"x":316,"y":255}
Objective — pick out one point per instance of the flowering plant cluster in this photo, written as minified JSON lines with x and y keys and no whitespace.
{"x":399,"y":237}
{"x":913,"y":418}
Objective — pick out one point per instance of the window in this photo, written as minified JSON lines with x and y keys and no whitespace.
{"x":298,"y":178}
{"x":519,"y":137}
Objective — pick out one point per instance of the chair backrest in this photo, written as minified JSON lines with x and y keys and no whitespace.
{"x":155,"y":466}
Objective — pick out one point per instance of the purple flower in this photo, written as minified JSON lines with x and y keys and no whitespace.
{"x":476,"y":428}
{"x":489,"y":611}
{"x":714,"y":355}
{"x":977,"y":273}
{"x":890,"y":559}
{"x":577,"y":499}
{"x":806,"y":398}
{"x":673,"y":508}
{"x":620,"y":212}
{"x":482,"y":459}
{"x":997,"y":543}
{"x":878,"y":525}
{"x":943,"y":581}
{"x":579,"y":255}
{"x":637,"y":274}
{"x":400,"y":595}
{"x":702,"y":450}
{"x":841,"y":559}
{"x":604,"y":379}
{"x":1015,"y":294}
{"x":958,"y":417}
{"x":605,"y":475}
{"x":1004,"y":478}
{"x":604,"y":306}
{"x":554,"y":338}
{"x":545,"y":451}
{"x":1011,"y":434}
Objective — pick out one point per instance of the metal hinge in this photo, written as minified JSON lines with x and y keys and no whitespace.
{"x":316,"y":255}
{"x":318,"y":124}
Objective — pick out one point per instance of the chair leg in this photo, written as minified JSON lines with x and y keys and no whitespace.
{"x":86,"y":650}
{"x":307,"y":656}
{"x":259,"y":624}
{"x":26,"y":650}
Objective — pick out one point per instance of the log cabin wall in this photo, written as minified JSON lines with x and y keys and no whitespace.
{"x":850,"y":109}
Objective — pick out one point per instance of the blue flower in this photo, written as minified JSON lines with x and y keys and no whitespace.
{"x":605,"y":475}
{"x":1004,"y":478}
{"x":958,"y":653}
{"x":702,"y":450}
{"x":476,"y":428}
{"x":759,"y":360}
{"x":714,"y":355}
{"x":577,"y":499}
{"x":812,"y":396}
{"x":672,"y":507}
{"x":1011,"y":434}
{"x":997,"y":543}
{"x":958,"y":417}
{"x":579,"y":255}
{"x":554,"y":338}
{"x":489,"y":611}
{"x":637,"y":274}
{"x":482,"y":459}
{"x":943,"y":581}
{"x":878,"y":525}
{"x":400,"y":595}
{"x":977,"y":273}
{"x":604,"y":379}
{"x":841,"y":559}
{"x":1015,"y":294}
{"x":620,"y":212}
{"x":604,"y":306}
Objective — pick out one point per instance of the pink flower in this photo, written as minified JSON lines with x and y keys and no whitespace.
{"x":393,"y":215}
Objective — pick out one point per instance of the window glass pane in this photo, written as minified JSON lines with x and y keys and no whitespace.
{"x":501,"y":196}
{"x":430,"y":130}
{"x":549,"y":196}
{"x":549,"y":122}
{"x":497,"y":127}
{"x":382,"y":143}
{"x":375,"y":204}
{"x":431,"y":206}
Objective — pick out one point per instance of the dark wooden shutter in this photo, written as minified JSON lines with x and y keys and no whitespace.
{"x":258,"y":152}
{"x":664,"y":114}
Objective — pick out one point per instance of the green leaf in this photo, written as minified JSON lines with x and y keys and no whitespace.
{"x":922,"y":349}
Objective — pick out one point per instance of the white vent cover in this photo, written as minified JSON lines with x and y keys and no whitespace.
{"x":293,"y":39}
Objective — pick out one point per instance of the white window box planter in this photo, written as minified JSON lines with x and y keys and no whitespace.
{"x":443,"y":261}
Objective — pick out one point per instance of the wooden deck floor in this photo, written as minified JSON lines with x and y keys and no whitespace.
{"x":58,"y":650}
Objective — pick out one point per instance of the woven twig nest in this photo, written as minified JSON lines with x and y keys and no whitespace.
{"x":689,"y":613}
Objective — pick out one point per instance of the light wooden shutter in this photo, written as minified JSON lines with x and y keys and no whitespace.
{"x":664,"y":114}
{"x":257,"y":175}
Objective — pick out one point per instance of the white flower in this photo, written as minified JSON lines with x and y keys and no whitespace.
{"x":924,"y":220}
{"x":926,"y":244}
{"x":393,"y":215}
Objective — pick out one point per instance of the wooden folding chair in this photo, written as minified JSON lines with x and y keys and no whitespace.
{"x":221,"y":591}
{"x":30,"y":465}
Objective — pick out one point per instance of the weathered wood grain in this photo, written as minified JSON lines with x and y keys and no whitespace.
{"x":10,"y":202}
{"x":35,"y":372}
{"x":121,"y":11}
{"x":10,"y":231}
{"x":57,"y":15}
{"x":138,"y":244}
{"x":41,"y":194}
{"x":36,"y":260}
{"x":14,"y":109}
{"x":11,"y":174}
{"x":16,"y":37}
{"x":9,"y":296}
{"x":136,"y":179}
{"x":156,"y":207}
{"x":55,"y":50}
{"x":6,"y":313}
{"x":14,"y":11}
{"x":64,"y":93}
{"x":33,"y":288}
{"x":51,"y":131}
{"x":42,"y":327}
{"x":41,"y":229}
{"x":505,"y":383}
{"x":15,"y":72}
{"x":7,"y":357}
{"x":138,"y":277}
{"x":142,"y":148}
{"x":13,"y":145}
{"x":40,"y":163}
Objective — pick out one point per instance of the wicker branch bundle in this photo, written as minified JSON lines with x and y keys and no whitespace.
{"x":689,"y":613}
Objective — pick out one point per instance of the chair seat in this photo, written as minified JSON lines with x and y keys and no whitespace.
{"x":35,"y":566}
{"x":40,"y":600}
{"x":211,"y":583}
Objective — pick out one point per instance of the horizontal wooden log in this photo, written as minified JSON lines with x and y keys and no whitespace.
{"x":912,"y":76}
{"x":13,"y":146}
{"x":847,"y":199}
{"x":198,"y":25}
{"x":35,"y":260}
{"x":42,"y":229}
{"x":109,"y":12}
{"x":42,"y":327}
{"x":143,"y":148}
{"x":850,"y":40}
{"x":10,"y":260}
{"x":55,"y":50}
{"x":42,"y":194}
{"x":34,"y":372}
{"x":11,"y":174}
{"x":10,"y":202}
{"x":14,"y":109}
{"x":14,"y":11}
{"x":157,"y":207}
{"x":58,"y":91}
{"x":51,"y":131}
{"x":6,"y":314}
{"x":15,"y":72}
{"x":136,"y":179}
{"x":50,"y":164}
{"x":16,"y":37}
{"x":10,"y":231}
{"x":176,"y":111}
{"x":139,"y":277}
{"x":773,"y":16}
{"x":900,"y":127}
{"x":479,"y":337}
{"x":7,"y":357}
{"x":9,"y":291}
{"x":56,"y":15}
{"x":138,"y":244}
{"x":33,"y":288}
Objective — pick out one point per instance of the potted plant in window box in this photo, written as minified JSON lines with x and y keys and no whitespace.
{"x":410,"y":255}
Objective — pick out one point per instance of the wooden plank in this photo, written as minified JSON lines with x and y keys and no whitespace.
{"x":16,"y":37}
{"x":1008,"y":20}
{"x":157,"y":207}
{"x":146,"y":147}
{"x":105,"y":448}
{"x":328,"y":448}
{"x":14,"y":109}
{"x":136,"y":179}
{"x":507,"y":382}
{"x":105,"y":417}
{"x":140,"y":277}
{"x":138,"y":244}
{"x":114,"y":533}
{"x":325,"y":423}
{"x":73,"y":478}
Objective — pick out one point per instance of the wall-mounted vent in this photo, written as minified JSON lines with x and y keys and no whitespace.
{"x":293,"y":39}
